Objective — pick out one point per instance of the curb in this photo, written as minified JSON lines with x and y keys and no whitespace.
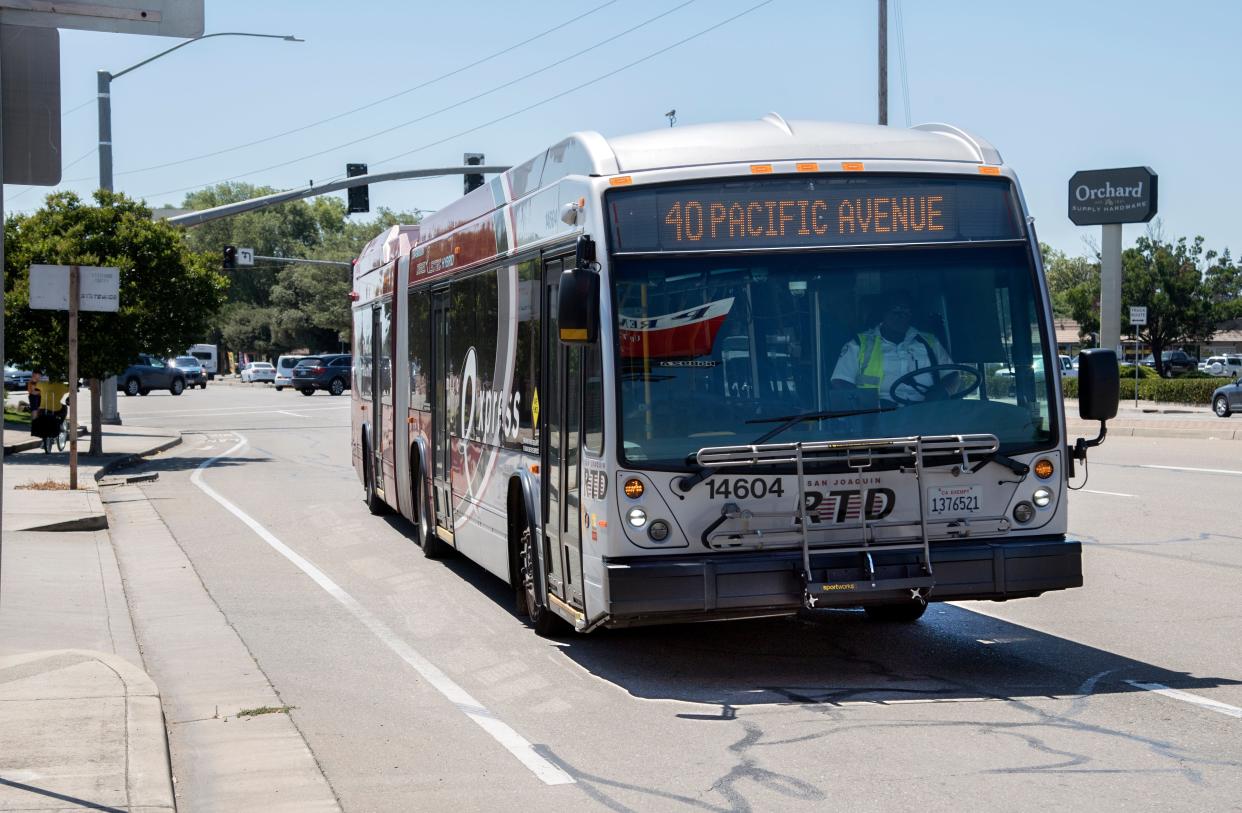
{"x":148,"y":780}
{"x":1223,"y":433}
{"x":131,"y":459}
{"x":35,"y":443}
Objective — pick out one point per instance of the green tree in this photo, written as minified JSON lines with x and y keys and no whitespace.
{"x":168,"y":294}
{"x":1066,"y":275}
{"x":1168,"y":278}
{"x":290,"y":306}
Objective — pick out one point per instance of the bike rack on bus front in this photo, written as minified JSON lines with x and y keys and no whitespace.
{"x":951,"y":452}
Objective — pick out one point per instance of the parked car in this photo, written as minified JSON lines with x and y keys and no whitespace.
{"x":1226,"y":366}
{"x":150,"y":373}
{"x":195,"y":374}
{"x":331,"y":372}
{"x":1227,"y":400}
{"x":1174,"y":362}
{"x":258,"y":371}
{"x":15,"y":379}
{"x":284,"y":370}
{"x":1068,"y":368}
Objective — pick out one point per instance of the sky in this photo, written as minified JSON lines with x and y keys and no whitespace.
{"x":1056,"y":86}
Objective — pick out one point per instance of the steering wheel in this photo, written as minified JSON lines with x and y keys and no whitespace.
{"x":910,"y":380}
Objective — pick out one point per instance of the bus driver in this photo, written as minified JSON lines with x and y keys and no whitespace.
{"x":877,"y":358}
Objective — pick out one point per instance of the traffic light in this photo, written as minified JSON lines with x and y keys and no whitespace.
{"x":230,"y":256}
{"x":473,"y":179}
{"x":359,"y":196}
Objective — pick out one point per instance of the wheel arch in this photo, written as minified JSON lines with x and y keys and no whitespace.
{"x":521,"y":506}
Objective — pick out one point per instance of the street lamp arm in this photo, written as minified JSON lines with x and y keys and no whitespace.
{"x":286,"y":37}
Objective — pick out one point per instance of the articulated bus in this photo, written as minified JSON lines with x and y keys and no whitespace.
{"x":641,"y":378}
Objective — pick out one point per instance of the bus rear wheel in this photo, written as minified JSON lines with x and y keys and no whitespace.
{"x":905,"y":613}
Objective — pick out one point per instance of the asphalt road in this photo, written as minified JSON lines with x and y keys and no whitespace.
{"x":1084,"y":698}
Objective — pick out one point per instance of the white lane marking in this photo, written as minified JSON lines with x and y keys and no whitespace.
{"x":1187,"y":697}
{"x":293,"y":414}
{"x":1188,"y":468}
{"x":516,"y":744}
{"x":1107,"y":493}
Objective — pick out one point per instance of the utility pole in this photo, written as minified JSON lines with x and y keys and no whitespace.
{"x":883,"y":61}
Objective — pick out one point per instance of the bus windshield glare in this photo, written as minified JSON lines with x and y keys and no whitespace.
{"x":717,"y":350}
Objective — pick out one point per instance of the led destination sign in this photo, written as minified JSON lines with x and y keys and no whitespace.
{"x":787,"y":213}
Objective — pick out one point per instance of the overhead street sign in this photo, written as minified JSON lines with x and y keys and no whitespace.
{"x":164,"y":18}
{"x":30,"y":65}
{"x":1100,"y":197}
{"x":245,"y":256}
{"x":1138,"y":315}
{"x":99,"y":288}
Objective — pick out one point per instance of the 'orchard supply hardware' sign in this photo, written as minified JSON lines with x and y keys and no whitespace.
{"x":1103,"y":196}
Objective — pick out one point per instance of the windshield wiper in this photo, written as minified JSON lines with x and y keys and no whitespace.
{"x":1015,"y":466}
{"x":691,"y":480}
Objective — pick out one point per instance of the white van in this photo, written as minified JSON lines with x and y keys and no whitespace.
{"x":206,"y":355}
{"x":284,"y":369}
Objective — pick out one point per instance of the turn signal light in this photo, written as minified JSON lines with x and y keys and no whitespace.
{"x":1044,"y":468}
{"x":633,"y":488}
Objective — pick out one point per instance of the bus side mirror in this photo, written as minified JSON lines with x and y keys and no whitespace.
{"x":577,"y":306}
{"x":1099,"y":390}
{"x":1099,"y":385}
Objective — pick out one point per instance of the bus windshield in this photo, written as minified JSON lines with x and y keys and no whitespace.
{"x":723,"y":349}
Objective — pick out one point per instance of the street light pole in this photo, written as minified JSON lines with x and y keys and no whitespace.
{"x":108,"y":395}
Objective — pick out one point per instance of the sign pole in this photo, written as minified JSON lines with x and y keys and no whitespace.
{"x":1110,"y":287}
{"x":1138,"y":318}
{"x":74,"y":294}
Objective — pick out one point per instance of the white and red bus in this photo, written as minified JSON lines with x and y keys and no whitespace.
{"x":642,"y":378}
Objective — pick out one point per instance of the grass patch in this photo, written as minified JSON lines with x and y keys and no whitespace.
{"x":255,"y":712}
{"x":15,"y":416}
{"x":43,"y":485}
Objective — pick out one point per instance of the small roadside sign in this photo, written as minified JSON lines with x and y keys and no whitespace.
{"x":99,"y":288}
{"x":1138,"y":315}
{"x":245,"y":256}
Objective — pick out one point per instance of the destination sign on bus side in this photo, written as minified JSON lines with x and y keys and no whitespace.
{"x":791,"y":213}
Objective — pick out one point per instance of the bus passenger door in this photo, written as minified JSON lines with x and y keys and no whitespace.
{"x":560,"y":399}
{"x":373,"y":396}
{"x":440,"y":465}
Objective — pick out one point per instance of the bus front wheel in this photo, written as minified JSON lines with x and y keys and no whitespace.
{"x":546,"y":623}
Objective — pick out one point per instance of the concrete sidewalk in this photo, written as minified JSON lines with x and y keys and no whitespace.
{"x":1158,"y":420}
{"x":81,"y":726}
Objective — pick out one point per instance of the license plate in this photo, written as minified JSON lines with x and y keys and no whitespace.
{"x":954,"y":500}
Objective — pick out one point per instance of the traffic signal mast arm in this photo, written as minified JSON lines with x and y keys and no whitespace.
{"x":207,"y":215}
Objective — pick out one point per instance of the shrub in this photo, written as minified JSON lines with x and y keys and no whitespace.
{"x":1197,"y":391}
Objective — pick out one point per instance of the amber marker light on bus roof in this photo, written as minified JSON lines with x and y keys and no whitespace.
{"x":852,"y":166}
{"x":633,"y":488}
{"x":807,"y":166}
{"x":760,"y":169}
{"x":620,"y":180}
{"x":987,"y":170}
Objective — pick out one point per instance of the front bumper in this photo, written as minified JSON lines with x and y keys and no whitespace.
{"x":649,"y":590}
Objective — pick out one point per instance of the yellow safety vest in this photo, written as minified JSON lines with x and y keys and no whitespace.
{"x":871,"y":358}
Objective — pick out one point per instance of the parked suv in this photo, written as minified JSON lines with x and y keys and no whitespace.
{"x":1227,"y":366}
{"x":1174,"y":362}
{"x":284,"y":370}
{"x":195,"y":375}
{"x":150,"y":373}
{"x":330,"y":372}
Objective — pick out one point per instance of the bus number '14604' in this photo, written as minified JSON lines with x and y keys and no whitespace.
{"x":742,"y":488}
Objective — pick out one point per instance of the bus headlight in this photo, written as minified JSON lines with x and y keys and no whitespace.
{"x":637,"y":517}
{"x":1042,"y":497}
{"x":1024,"y":512}
{"x":658,"y":531}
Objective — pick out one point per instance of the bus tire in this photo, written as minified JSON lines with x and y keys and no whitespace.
{"x":542,"y":620}
{"x":433,"y":546}
{"x":374,"y":504}
{"x":906,"y":612}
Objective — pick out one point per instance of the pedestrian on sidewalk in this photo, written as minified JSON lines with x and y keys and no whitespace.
{"x":34,"y":396}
